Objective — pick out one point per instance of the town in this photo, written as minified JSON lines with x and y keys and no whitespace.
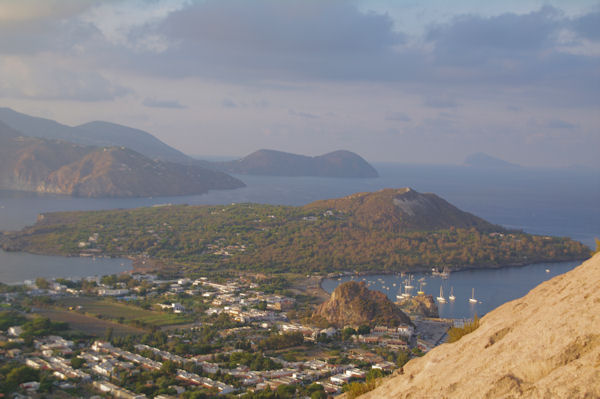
{"x":139,"y":335}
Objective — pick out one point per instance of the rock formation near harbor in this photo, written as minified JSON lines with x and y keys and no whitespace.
{"x":420,"y":305}
{"x":353,"y":304}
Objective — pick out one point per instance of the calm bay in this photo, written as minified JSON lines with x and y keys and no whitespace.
{"x":562,"y":203}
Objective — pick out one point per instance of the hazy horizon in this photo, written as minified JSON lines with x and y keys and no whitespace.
{"x":394,"y":81}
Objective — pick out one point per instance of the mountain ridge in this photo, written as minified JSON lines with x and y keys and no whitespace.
{"x":60,"y":167}
{"x":97,"y":133}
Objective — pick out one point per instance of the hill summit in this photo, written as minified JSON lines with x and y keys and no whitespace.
{"x":277,"y":163}
{"x":352,"y":303}
{"x":403,"y":209}
{"x":544,"y":345}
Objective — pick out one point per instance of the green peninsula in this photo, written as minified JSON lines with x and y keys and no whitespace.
{"x":391,"y":230}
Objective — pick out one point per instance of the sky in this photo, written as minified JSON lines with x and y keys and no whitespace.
{"x":411,"y":81}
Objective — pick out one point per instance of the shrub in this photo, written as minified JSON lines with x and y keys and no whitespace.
{"x":456,"y":333}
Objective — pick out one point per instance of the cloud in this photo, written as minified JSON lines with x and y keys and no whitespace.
{"x":397,"y":116}
{"x":154,"y":103}
{"x":305,"y":115}
{"x":440,"y":102}
{"x":235,"y":39}
{"x":39,"y":78}
{"x":560,"y":124}
{"x":587,"y":26}
{"x":228,"y":103}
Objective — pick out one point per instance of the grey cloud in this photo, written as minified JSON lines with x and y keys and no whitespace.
{"x":228,"y":103}
{"x":306,"y":115}
{"x":440,"y":102}
{"x":37,"y":80}
{"x":154,"y":103}
{"x":560,"y":124}
{"x":587,"y":25}
{"x":272,"y":39}
{"x":397,"y":116}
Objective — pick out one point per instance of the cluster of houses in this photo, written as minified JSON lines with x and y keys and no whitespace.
{"x":243,"y":302}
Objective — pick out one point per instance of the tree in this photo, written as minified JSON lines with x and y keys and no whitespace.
{"x":77,"y":362}
{"x":364,"y":330}
{"x":108,"y":334}
{"x":168,"y":367}
{"x":42,"y":283}
{"x":22,"y":374}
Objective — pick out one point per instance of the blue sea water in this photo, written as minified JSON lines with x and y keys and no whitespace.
{"x":539,"y":201}
{"x":492,"y":287}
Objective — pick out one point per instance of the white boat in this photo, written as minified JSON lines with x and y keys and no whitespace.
{"x":472,"y":299}
{"x":547,"y":270}
{"x":452,"y":297}
{"x":408,"y":283}
{"x":441,"y":298}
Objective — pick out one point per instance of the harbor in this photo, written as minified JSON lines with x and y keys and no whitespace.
{"x":463,"y":293}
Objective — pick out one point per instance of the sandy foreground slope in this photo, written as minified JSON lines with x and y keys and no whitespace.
{"x":544,"y":345}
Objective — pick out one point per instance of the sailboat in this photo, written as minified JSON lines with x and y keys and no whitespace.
{"x":472,"y":299}
{"x":400,"y":295}
{"x":452,"y":297}
{"x":408,"y":283}
{"x":421,"y":292}
{"x":441,"y":298}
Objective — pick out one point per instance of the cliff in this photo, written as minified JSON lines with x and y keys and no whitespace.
{"x":278,"y":163}
{"x":54,"y":166}
{"x":544,"y":345}
{"x":353,"y":304}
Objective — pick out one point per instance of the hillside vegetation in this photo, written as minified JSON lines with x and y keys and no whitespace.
{"x":365,"y":232}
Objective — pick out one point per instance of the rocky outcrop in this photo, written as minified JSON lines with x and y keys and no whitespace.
{"x":420,"y":305}
{"x":277,"y":163}
{"x":544,"y":345}
{"x":353,"y":304}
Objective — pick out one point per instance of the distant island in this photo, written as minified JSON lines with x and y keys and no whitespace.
{"x":98,"y":134}
{"x":391,"y":230}
{"x":277,"y":163}
{"x":61,"y":167}
{"x":262,"y":162}
{"x":485,"y":161}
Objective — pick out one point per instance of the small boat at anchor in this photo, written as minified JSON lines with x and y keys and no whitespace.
{"x":441,"y":298}
{"x":472,"y":299}
{"x":452,"y":297}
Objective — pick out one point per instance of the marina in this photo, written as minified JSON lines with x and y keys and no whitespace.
{"x":474,"y":291}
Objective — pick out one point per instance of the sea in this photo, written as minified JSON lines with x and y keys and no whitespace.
{"x":554,"y":202}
